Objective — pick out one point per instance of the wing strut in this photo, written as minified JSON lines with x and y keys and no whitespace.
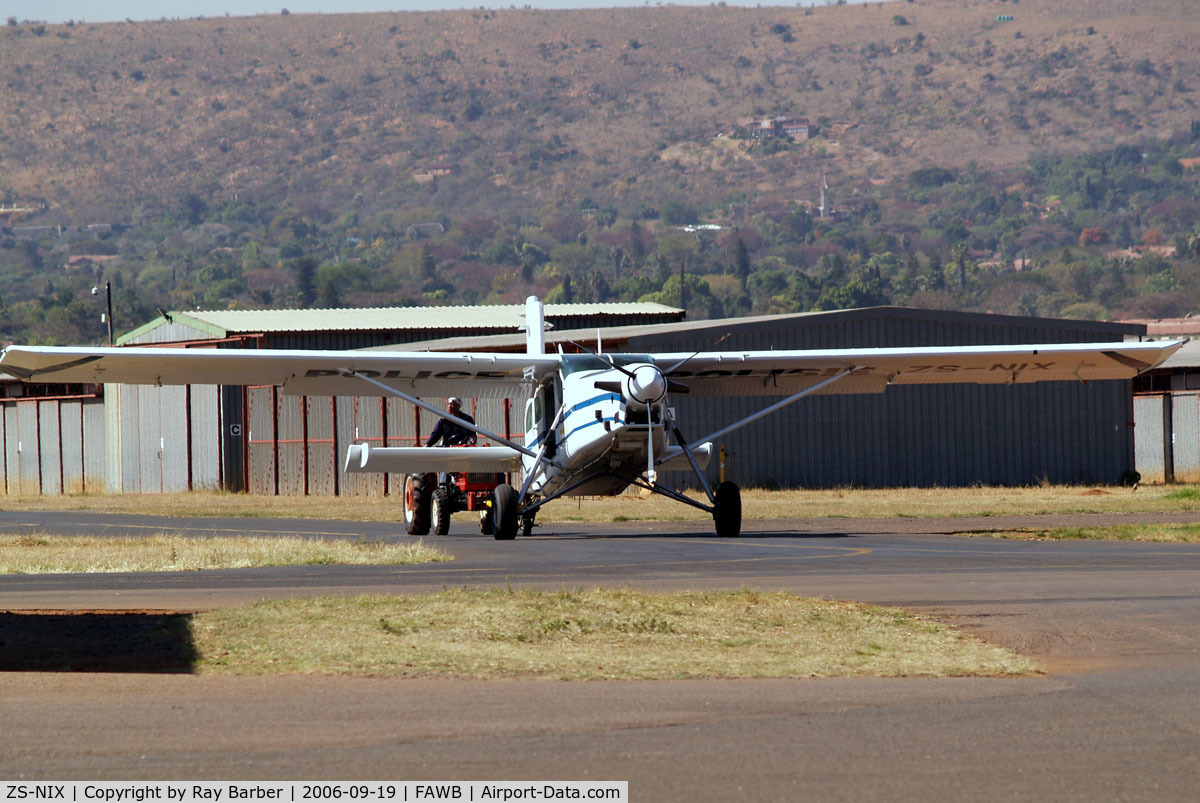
{"x":692,"y":459}
{"x":537,"y":463}
{"x":443,"y":414}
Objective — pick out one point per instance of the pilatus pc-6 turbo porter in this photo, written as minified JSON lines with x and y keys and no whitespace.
{"x":595,"y":423}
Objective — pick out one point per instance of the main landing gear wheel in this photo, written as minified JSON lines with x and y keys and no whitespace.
{"x":416,"y":505}
{"x":486,"y":525}
{"x":505,"y":516}
{"x":527,"y":524}
{"x":727,"y":512}
{"x":439,"y":511}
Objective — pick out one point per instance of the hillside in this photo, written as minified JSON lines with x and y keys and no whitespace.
{"x":545,"y":107}
{"x":277,"y":138}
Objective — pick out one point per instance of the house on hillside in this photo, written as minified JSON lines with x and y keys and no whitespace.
{"x":80,"y":261}
{"x":760,"y":128}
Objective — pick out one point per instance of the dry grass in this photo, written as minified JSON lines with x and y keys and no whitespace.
{"x":55,"y":554}
{"x":597,"y":634}
{"x":1158,"y":533}
{"x":756,"y":504}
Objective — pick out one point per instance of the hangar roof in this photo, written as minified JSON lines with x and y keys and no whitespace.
{"x":209,"y":324}
{"x":869,"y":325}
{"x":1186,"y":357}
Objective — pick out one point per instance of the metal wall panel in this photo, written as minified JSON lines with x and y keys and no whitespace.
{"x":174,"y":451}
{"x":48,"y":447}
{"x":4,"y":444}
{"x":151,"y":440}
{"x":262,"y":443}
{"x":233,"y":437}
{"x":293,"y":456}
{"x":170,"y":332}
{"x":360,"y":420}
{"x":129,"y":441}
{"x":28,"y":461}
{"x":70,"y":423}
{"x":204,"y":404}
{"x":1150,"y":452}
{"x":400,"y":429}
{"x":12,"y":457}
{"x":1185,"y":436}
{"x":322,"y":447}
{"x":95,"y":478}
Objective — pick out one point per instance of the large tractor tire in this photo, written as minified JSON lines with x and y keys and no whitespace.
{"x":416,"y":505}
{"x":439,"y":511}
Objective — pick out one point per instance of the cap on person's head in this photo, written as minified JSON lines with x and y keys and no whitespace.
{"x":454,"y":400}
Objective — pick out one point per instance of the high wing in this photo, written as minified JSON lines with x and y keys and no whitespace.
{"x":756,"y":373}
{"x":500,"y":375}
{"x":299,"y":372}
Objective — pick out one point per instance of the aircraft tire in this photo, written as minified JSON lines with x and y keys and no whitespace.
{"x":486,"y":524}
{"x":416,"y":505}
{"x":727,"y":512}
{"x":506,"y":518}
{"x":439,"y":511}
{"x":527,"y":524}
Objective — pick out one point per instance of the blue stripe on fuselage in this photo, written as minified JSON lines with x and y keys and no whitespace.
{"x":581,"y":405}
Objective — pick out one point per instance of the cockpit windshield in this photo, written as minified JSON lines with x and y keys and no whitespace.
{"x":575,"y":363}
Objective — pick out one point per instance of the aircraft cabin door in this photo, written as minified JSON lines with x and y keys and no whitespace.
{"x":548,"y":405}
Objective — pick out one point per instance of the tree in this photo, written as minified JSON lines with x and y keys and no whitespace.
{"x":930,"y":177}
{"x":306,"y":275}
{"x":693,"y":294}
{"x":678,"y":213}
{"x":741,"y":262}
{"x":637,"y":246}
{"x":427,"y":264}
{"x":331,"y":295}
{"x":958,"y":252}
{"x":562,"y":294}
{"x":598,"y":287}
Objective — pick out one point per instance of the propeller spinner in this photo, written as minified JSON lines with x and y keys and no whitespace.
{"x":645,"y":384}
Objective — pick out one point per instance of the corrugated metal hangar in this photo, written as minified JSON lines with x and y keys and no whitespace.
{"x":1166,"y":403}
{"x":148,"y":439}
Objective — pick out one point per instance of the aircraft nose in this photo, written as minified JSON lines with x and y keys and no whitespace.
{"x":647,"y":385}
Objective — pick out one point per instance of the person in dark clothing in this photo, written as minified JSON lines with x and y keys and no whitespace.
{"x":450,"y":433}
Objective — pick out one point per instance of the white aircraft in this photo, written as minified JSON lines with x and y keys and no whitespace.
{"x":595,"y":423}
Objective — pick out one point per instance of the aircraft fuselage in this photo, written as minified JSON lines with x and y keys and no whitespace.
{"x":604,"y":433}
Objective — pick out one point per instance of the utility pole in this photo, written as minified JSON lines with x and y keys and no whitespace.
{"x":107,"y":317}
{"x":683,"y":285}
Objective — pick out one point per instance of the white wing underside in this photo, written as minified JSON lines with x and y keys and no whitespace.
{"x":363,"y":458}
{"x":313,"y":373}
{"x":504,"y":375}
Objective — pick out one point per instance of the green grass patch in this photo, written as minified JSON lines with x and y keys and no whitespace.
{"x":596,"y":634}
{"x":35,"y":553}
{"x":1160,"y":533}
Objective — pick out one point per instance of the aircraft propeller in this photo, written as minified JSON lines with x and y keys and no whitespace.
{"x":646,"y":385}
